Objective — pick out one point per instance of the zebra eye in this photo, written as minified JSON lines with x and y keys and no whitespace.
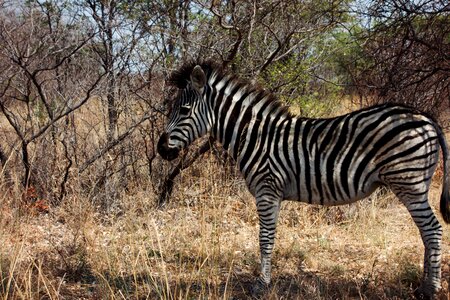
{"x":184,"y":110}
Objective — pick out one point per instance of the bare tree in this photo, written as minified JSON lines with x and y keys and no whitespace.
{"x":406,"y":49}
{"x":43,"y":63}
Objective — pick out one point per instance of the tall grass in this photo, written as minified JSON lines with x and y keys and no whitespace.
{"x":204,"y":245}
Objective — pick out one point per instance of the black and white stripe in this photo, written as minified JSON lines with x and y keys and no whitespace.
{"x":319,"y":161}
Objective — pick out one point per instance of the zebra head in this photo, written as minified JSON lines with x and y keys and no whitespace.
{"x":189,"y":118}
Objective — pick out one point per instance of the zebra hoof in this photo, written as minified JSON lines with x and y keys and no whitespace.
{"x":424,"y":292}
{"x":259,"y":289}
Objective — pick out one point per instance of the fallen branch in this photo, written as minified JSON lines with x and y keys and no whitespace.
{"x":186,"y":161}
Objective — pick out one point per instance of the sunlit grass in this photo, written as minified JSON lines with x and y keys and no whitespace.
{"x":204,"y":245}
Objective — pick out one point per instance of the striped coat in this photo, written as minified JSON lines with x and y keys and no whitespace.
{"x":318,"y":161}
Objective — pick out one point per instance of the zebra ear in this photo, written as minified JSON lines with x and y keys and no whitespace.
{"x":198,"y":78}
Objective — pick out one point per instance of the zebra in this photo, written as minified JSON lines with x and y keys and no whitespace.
{"x":327,"y":162}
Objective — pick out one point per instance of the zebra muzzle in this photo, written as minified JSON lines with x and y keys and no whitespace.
{"x":164,"y":150}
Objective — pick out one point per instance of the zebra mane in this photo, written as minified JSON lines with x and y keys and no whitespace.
{"x":180,"y":77}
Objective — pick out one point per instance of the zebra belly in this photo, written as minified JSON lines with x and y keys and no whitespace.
{"x":321,"y":187}
{"x":292,"y":193}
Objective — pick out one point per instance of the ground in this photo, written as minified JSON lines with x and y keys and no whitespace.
{"x":203,"y":245}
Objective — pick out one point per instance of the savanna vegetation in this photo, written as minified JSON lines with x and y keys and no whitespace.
{"x":89,"y":211}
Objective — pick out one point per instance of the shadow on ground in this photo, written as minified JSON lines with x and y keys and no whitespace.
{"x":306,"y":285}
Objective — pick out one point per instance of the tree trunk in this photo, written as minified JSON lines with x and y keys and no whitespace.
{"x":26,"y":181}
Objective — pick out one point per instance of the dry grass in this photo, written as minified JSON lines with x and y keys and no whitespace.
{"x":204,"y":246}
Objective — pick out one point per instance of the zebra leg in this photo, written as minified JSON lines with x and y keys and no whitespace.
{"x":431,"y":233}
{"x":268,"y":206}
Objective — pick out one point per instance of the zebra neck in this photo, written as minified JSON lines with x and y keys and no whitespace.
{"x":236,"y":110}
{"x":231,"y":114}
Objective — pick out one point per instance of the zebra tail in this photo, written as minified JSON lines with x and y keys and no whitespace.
{"x":445,"y":196}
